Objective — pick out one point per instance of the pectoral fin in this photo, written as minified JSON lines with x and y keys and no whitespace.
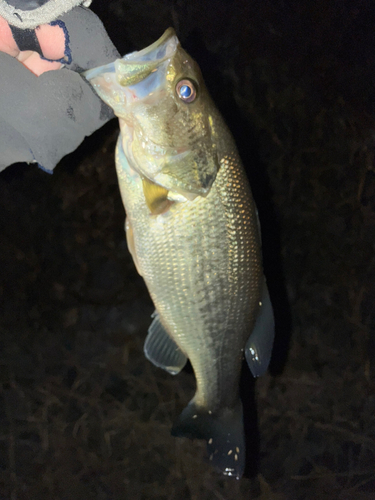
{"x":259,"y":346}
{"x":130,"y":241}
{"x":156,"y":197}
{"x":161,"y":349}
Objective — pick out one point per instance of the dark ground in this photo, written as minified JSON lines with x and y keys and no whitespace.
{"x":83,"y":414}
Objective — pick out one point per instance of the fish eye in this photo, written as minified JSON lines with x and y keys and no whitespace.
{"x":186,"y":90}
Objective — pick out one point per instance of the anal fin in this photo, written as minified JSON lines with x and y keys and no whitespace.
{"x":259,"y":346}
{"x":162,"y":350}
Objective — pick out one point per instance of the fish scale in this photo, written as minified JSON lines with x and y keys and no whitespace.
{"x":170,"y":246}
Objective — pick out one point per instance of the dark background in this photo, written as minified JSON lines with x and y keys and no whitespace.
{"x":83,"y":415}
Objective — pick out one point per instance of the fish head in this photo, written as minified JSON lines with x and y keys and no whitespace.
{"x":164,"y":108}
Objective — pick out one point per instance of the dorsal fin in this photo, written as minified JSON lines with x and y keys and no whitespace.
{"x":259,"y":346}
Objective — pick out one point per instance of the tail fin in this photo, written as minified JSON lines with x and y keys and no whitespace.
{"x":223,"y":432}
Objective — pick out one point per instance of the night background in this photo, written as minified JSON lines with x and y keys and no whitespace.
{"x":83,"y":414}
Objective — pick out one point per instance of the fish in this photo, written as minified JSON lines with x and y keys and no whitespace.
{"x":193,"y":231}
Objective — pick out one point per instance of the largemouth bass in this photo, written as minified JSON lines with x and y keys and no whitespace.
{"x":193,"y":231}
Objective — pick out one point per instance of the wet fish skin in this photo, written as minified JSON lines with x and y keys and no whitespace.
{"x":199,"y":249}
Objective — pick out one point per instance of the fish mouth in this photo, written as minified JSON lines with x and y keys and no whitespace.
{"x":154,"y":51}
{"x":131,"y":70}
{"x":137,"y":66}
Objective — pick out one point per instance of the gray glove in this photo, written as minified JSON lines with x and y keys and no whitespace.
{"x":43,"y":118}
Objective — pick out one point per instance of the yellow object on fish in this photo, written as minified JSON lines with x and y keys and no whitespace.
{"x":193,"y":231}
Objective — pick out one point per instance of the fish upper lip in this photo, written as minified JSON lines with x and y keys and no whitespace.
{"x":166,"y":37}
